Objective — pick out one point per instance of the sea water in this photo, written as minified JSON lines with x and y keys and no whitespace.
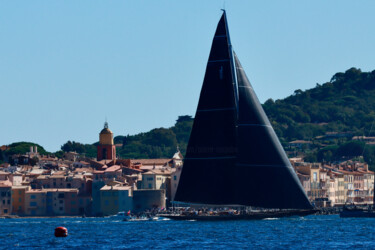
{"x":328,"y":231}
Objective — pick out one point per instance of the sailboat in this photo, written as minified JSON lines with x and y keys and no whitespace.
{"x":234,"y":157}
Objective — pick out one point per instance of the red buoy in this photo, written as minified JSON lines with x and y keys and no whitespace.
{"x":61,"y":232}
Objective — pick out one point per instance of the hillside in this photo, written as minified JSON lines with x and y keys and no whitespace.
{"x":345,"y":103}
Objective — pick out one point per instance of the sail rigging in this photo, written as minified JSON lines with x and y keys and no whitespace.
{"x":233,"y":155}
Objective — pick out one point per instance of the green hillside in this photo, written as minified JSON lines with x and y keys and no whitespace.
{"x":345,"y":103}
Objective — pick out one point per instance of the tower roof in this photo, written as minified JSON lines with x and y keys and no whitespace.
{"x":106,"y":130}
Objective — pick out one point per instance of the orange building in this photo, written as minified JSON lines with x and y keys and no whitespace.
{"x":18,"y":199}
{"x":106,"y":147}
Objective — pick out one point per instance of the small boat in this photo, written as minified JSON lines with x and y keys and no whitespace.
{"x":234,"y":157}
{"x":120,"y":215}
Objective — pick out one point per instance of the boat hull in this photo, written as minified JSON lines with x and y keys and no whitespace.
{"x":248,"y":216}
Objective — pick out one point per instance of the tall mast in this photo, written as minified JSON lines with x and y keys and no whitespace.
{"x":232,"y":64}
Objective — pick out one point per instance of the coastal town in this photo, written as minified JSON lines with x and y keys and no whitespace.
{"x":32,"y":184}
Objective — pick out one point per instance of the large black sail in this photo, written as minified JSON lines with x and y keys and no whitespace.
{"x":207,"y":175}
{"x":263,"y":173}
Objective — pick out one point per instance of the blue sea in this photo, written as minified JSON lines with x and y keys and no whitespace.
{"x":313,"y":231}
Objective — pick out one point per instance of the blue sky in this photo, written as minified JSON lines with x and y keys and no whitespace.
{"x":67,"y":65}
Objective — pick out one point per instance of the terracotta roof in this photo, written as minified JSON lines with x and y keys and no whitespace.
{"x":5,"y":184}
{"x":80,"y":170}
{"x":150,"y":161}
{"x":158,"y":171}
{"x":114,"y":168}
{"x":57,"y":176}
{"x":36,"y":191}
{"x":117,"y":187}
{"x":61,"y":189}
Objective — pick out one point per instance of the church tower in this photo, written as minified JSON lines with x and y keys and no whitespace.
{"x":106,"y":147}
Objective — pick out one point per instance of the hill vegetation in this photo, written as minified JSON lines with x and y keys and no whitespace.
{"x":345,"y":103}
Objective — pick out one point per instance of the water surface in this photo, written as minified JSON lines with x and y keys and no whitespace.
{"x":87,"y":233}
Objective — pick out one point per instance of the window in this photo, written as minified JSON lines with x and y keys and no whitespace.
{"x":175,"y":177}
{"x":61,"y":196}
{"x":61,"y":201}
{"x":8,"y":202}
{"x":61,"y":208}
{"x":5,"y":211}
{"x":315,"y":176}
{"x":32,"y":196}
{"x":150,"y":179}
{"x":149,"y":185}
{"x":19,"y":192}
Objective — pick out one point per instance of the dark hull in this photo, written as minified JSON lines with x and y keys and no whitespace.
{"x":248,"y":216}
{"x":357,"y":214}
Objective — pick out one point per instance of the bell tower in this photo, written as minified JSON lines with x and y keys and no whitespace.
{"x":106,"y":147}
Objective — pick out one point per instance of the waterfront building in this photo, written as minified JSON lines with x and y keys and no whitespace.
{"x":97,"y":183}
{"x":106,"y":146}
{"x":313,"y":171}
{"x":349,"y":186}
{"x":35,"y":202}
{"x":18,"y":199}
{"x":155,"y":179}
{"x":340,"y":191}
{"x":175,"y":178}
{"x":146,"y":199}
{"x":115,"y":199}
{"x":5,"y":197}
{"x":368,"y":186}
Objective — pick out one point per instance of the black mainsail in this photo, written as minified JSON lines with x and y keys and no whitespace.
{"x":234,"y":156}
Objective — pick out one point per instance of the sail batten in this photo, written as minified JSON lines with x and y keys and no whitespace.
{"x":233,"y":149}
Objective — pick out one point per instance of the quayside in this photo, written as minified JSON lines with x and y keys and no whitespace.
{"x":232,"y":146}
